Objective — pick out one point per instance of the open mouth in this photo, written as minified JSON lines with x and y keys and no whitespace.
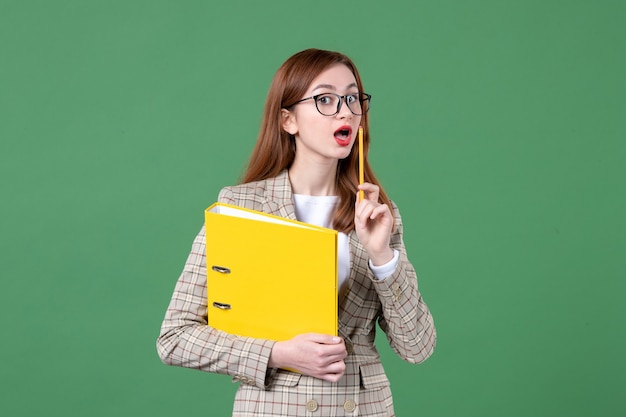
{"x":343,"y":135}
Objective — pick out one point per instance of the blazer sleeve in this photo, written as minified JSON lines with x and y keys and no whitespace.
{"x":405,"y":319}
{"x":186,"y":339}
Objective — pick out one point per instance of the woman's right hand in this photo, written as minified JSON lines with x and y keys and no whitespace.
{"x":314,"y":354}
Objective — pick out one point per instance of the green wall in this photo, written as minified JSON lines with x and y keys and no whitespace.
{"x":499,"y":128}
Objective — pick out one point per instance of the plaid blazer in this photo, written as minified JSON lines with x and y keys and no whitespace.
{"x":395,"y":303}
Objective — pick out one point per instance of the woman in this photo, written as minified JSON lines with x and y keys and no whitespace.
{"x":305,"y":167}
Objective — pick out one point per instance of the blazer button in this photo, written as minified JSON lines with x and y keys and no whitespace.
{"x":311,"y":405}
{"x":349,"y":406}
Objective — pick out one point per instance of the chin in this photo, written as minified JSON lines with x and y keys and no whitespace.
{"x":343,"y":156}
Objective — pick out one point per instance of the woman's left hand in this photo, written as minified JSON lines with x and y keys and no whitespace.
{"x":373,"y":222}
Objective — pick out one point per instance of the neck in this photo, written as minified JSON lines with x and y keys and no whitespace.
{"x":316,"y":180}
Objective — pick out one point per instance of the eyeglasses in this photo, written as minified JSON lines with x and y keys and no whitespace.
{"x":329,"y":104}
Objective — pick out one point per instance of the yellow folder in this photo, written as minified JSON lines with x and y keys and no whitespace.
{"x":267,"y":276}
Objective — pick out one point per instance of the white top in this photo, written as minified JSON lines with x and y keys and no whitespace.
{"x":317,"y":210}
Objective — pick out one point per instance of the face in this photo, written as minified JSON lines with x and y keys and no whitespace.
{"x":324,"y":137}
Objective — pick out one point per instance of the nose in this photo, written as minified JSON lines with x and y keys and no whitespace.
{"x":344,"y":111}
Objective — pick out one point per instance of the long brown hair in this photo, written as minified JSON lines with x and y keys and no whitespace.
{"x":275,"y":151}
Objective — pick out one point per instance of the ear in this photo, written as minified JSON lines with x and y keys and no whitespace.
{"x":288,"y":122}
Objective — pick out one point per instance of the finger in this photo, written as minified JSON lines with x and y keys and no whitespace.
{"x":371,"y":191}
{"x":331,"y":377}
{"x":368,"y":186}
{"x":363,"y":213}
{"x":324,"y":357}
{"x":337,"y":356}
{"x":380,"y":211}
{"x":334,"y":372}
{"x":337,"y":367}
{"x":334,"y":353}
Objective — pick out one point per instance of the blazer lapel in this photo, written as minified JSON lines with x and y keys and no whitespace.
{"x":279,"y":197}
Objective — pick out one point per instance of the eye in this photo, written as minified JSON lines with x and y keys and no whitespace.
{"x":326,"y":99}
{"x":352,"y":98}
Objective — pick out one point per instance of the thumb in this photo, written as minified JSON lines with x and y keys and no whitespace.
{"x":325,"y":339}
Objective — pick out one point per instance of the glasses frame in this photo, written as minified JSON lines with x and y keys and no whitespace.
{"x":363,"y":97}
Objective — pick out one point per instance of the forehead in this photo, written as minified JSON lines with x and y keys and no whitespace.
{"x":337,"y":77}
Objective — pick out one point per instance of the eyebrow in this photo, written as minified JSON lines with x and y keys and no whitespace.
{"x":332,"y":87}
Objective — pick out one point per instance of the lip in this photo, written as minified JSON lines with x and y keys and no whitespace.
{"x":343,"y":135}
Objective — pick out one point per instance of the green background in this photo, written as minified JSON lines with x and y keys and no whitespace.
{"x":499,"y":128}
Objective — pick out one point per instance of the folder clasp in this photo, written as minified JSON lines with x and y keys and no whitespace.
{"x":221,"y":269}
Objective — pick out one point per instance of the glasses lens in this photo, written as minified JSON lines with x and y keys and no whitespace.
{"x":358,"y":103}
{"x":327,"y":104}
